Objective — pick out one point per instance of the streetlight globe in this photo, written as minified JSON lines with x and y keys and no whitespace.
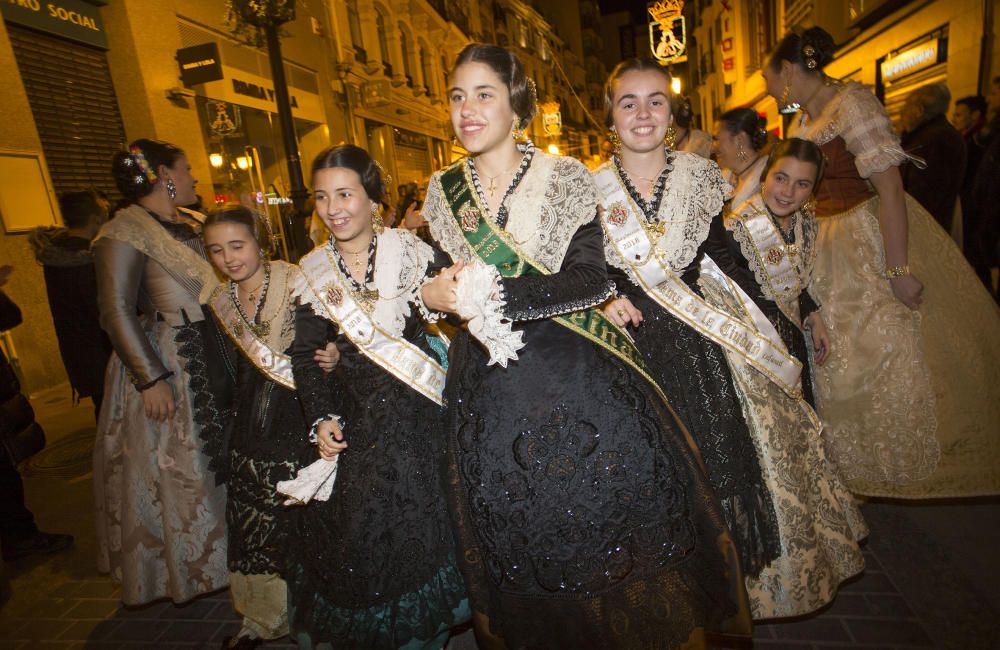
{"x":675,"y":85}
{"x":554,"y":149}
{"x":215,"y":159}
{"x":243,"y":162}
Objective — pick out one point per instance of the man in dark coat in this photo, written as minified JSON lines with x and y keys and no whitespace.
{"x":19,"y":536}
{"x":929,"y":135}
{"x":72,"y":290}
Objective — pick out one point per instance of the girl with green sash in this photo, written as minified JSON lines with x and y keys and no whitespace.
{"x":582,"y":515}
{"x":373,"y":566}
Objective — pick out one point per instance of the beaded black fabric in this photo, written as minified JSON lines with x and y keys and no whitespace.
{"x":650,"y":208}
{"x":582,"y":518}
{"x":369,"y":270}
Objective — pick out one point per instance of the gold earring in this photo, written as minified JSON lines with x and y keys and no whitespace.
{"x":741,"y":153}
{"x":377,"y":224}
{"x":810,"y":206}
{"x":671,"y":137}
{"x":784,"y":95}
{"x":517,"y":133}
{"x":615,"y":141}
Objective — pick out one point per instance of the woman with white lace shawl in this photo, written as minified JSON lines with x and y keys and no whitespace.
{"x":576,"y":498}
{"x":911,"y":393}
{"x":713,"y":351}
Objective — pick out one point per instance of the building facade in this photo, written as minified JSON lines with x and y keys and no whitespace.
{"x":892,"y":46}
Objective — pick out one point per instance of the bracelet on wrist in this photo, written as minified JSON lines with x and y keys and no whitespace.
{"x":897,"y":271}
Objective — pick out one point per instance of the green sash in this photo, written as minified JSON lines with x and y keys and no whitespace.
{"x":496,"y":248}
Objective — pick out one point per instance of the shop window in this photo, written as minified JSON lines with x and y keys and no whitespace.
{"x":354,"y":24}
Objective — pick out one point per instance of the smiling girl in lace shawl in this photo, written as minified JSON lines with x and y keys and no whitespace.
{"x":266,"y":442}
{"x":911,"y":392}
{"x":374,"y":566}
{"x":582,"y":516}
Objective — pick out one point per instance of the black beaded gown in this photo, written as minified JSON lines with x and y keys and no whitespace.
{"x":265,"y":441}
{"x":692,"y":370}
{"x":374,"y":566}
{"x":582,"y":515}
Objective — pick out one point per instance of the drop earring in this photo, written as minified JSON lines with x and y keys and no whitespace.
{"x":615,"y":141}
{"x":671,"y":137}
{"x":784,"y":106}
{"x":377,"y":224}
{"x":171,"y":189}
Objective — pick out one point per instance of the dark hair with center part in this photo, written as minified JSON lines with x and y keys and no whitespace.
{"x":626,"y":66}
{"x":508,"y":67}
{"x":796,"y":46}
{"x":80,"y":209}
{"x":137,"y":171}
{"x":746,"y":120}
{"x":240,"y":214}
{"x":804,"y":150}
{"x":353,"y":157}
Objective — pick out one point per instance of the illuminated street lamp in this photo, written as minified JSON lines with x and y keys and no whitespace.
{"x":554,"y":149}
{"x":215,"y":159}
{"x":243,"y":162}
{"x":675,"y":85}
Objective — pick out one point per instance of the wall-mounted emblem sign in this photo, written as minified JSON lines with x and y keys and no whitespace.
{"x":223,"y":117}
{"x":200,"y":64}
{"x":551,"y":118}
{"x":667,"y":31}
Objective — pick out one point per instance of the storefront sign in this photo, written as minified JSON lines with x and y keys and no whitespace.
{"x":72,"y":19}
{"x":199,"y":63}
{"x":916,"y":58}
{"x":409,"y":139}
{"x":728,"y":42}
{"x":551,"y":118}
{"x":667,"y":31}
{"x":247,"y":89}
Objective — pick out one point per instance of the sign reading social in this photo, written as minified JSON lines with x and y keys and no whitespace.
{"x":73,"y":19}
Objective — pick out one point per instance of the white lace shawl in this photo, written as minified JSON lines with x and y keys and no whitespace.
{"x":806,"y":231}
{"x":694,"y":195}
{"x":859,"y":117}
{"x":400,"y":265}
{"x":555,"y":197}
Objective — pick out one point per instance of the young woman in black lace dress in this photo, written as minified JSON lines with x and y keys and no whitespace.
{"x":582,"y":516}
{"x":675,"y":198}
{"x":373,"y":566}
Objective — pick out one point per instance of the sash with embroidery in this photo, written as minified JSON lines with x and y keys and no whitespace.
{"x":327,"y":288}
{"x":760,"y":346}
{"x":276,"y":366}
{"x":494,"y":247}
{"x":776,"y":262}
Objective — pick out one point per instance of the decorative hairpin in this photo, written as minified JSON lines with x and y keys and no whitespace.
{"x":809,"y":53}
{"x":140,"y":159}
{"x":386,"y":176}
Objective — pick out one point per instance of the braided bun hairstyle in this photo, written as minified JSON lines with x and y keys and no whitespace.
{"x":746,"y":120}
{"x":353,"y":157}
{"x":136,"y":171}
{"x":812,"y":49}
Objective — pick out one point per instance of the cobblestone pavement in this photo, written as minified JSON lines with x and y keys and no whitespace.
{"x":929,"y":583}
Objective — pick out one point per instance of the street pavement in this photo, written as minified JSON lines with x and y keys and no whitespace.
{"x":930,"y":582}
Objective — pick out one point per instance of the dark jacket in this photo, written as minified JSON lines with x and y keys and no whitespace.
{"x":936,"y":187}
{"x":72,"y":290}
{"x":20,"y":435}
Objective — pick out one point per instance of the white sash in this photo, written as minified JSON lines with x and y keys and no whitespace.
{"x":276,"y":366}
{"x":328,"y":288}
{"x":760,"y":347}
{"x":775,"y":258}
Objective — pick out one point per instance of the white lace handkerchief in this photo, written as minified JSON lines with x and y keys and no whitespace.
{"x":312,"y":482}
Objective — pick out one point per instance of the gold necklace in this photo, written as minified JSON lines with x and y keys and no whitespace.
{"x":492,"y":189}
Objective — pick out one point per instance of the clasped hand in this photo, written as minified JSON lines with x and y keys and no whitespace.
{"x":441,"y":293}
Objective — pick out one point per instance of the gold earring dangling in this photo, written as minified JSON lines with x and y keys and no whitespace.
{"x":615,"y":141}
{"x":377,"y":224}
{"x":517,"y":132}
{"x":810,"y":207}
{"x":671,"y":137}
{"x":784,"y":96}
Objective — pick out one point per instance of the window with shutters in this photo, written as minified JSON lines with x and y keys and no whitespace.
{"x":75,"y":108}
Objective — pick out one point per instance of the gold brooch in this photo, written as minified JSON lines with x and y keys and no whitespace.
{"x":617,"y":214}
{"x":334,"y":294}
{"x":791,"y":249}
{"x":773,"y":255}
{"x":366,"y":299}
{"x":238,"y":328}
{"x":470,"y":219}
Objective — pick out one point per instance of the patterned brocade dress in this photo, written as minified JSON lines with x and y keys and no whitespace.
{"x":911,"y":399}
{"x":582,"y":516}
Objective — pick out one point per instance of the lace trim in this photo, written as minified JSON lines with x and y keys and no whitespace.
{"x":481,"y":301}
{"x":531,"y":313}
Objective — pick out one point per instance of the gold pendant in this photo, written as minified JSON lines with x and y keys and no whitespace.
{"x":261,"y":330}
{"x":366,"y":298}
{"x":791,"y":249}
{"x":655,"y":230}
{"x":238,"y":328}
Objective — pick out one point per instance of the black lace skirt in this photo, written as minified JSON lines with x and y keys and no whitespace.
{"x":694,"y":374}
{"x":582,"y":516}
